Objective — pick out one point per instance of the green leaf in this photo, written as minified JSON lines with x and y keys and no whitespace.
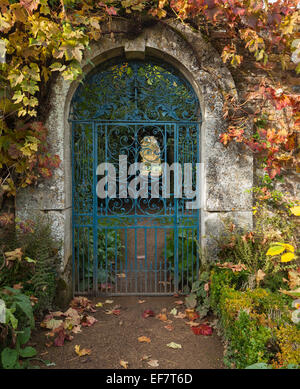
{"x":29,"y":260}
{"x":24,"y":336}
{"x":191,"y":301}
{"x":27,"y":352}
{"x":259,"y":366}
{"x":275,"y":250}
{"x":9,"y":357}
{"x":10,"y":317}
{"x":23,"y":302}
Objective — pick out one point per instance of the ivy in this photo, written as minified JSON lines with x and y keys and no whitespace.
{"x":46,"y":37}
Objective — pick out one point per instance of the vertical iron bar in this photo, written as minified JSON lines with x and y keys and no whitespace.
{"x":198,"y":210}
{"x":126,"y":269}
{"x":95,"y":221}
{"x":135,"y":259}
{"x":176,"y":212}
{"x":146,"y":263}
{"x":73,"y":209}
{"x":116,"y":259}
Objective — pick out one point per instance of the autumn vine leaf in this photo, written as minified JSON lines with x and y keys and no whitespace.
{"x":82,"y":352}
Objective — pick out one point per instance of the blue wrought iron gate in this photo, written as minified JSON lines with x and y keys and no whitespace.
{"x":145,"y":112}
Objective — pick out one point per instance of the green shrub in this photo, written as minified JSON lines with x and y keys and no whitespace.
{"x":249,"y":319}
{"x":36,"y":269}
{"x":220,"y":278}
{"x":15,"y":332}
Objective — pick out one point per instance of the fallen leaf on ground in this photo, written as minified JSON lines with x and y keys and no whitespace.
{"x":203,"y":329}
{"x":99,"y":305}
{"x":113,"y":312}
{"x":169,"y":327}
{"x":153,"y":363}
{"x":141,"y":301}
{"x":88,"y":321}
{"x":174,"y":345}
{"x":76,"y":329}
{"x":148,"y":313}
{"x":124,"y":364}
{"x":192,"y":315}
{"x":144,"y":339}
{"x":145,"y":357}
{"x":180,"y":315}
{"x":57,"y":313}
{"x":173,"y":312}
{"x":81,"y":303}
{"x":108,"y":301}
{"x":61,"y":336}
{"x":73,"y":318}
{"x":82,"y":352}
{"x":51,"y":324}
{"x":162,"y":317}
{"x":192,"y":323}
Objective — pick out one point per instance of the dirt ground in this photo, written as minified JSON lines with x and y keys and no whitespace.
{"x":114,"y":338}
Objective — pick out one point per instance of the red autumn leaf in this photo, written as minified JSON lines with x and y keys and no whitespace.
{"x":203,"y":329}
{"x":61,"y":336}
{"x":148,"y":313}
{"x":111,"y":11}
{"x":88,"y":321}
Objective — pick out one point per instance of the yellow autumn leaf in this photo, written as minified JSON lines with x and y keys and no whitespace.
{"x":275,"y":250}
{"x":82,"y":352}
{"x":287,"y":257}
{"x":287,"y":246}
{"x":144,"y":339}
{"x":295,"y":210}
{"x":124,"y":364}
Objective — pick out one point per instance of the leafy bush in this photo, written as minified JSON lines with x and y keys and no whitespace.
{"x":257,"y":323}
{"x":289,"y":341}
{"x":28,"y":262}
{"x":220,"y":278}
{"x":199,"y":296}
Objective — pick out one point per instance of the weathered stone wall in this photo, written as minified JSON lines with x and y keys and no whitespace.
{"x":228,"y":172}
{"x":247,"y":78}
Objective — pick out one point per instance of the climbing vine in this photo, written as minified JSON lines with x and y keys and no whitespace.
{"x":43,"y":38}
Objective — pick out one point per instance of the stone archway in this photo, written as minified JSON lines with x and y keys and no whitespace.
{"x":228,"y":172}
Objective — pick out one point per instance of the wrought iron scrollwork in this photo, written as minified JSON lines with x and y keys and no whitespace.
{"x":135,"y":90}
